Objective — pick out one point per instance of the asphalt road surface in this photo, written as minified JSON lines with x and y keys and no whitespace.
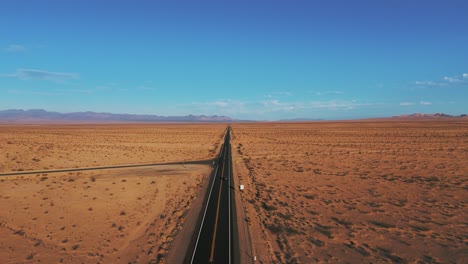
{"x":215,"y":240}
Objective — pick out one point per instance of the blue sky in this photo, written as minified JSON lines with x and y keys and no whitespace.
{"x":263,"y":60}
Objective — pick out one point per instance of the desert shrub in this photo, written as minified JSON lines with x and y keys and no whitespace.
{"x":342,"y":222}
{"x":394,"y":258}
{"x":19,"y":232}
{"x":279,"y":229}
{"x":433,"y":179}
{"x":420,"y":228}
{"x":312,"y":212}
{"x":269,"y":207}
{"x":299,"y":169}
{"x":325,"y":230}
{"x":375,"y":204}
{"x":316,"y":241}
{"x":284,"y":216}
{"x":399,"y":203}
{"x":382,"y":224}
{"x":310,"y":196}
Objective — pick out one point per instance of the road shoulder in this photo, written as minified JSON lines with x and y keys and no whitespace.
{"x":183,"y":239}
{"x":244,"y":239}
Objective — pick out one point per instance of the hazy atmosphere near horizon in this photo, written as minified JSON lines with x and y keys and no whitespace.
{"x":260,"y":60}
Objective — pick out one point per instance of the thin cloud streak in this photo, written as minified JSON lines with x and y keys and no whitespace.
{"x":447,"y":81}
{"x":15,"y":48}
{"x":320,"y":93}
{"x":278,"y":94}
{"x":79,"y":91}
{"x":33,"y":74}
{"x":33,"y":93}
{"x":260,"y":108}
{"x":407,"y":103}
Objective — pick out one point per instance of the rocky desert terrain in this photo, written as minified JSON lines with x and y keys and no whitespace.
{"x":355,"y":192}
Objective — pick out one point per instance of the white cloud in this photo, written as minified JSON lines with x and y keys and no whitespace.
{"x":107,"y":86}
{"x":275,"y":105}
{"x":429,"y":83}
{"x":221,"y":103}
{"x":337,"y":104}
{"x":328,"y":92}
{"x":20,"y":92}
{"x":271,"y":102}
{"x":224,"y":103}
{"x":15,"y":48}
{"x":79,"y":91}
{"x":452,"y":79}
{"x":146,"y":88}
{"x":278,"y":94}
{"x":447,"y":81}
{"x":406,"y":103}
{"x":27,"y":74}
{"x":260,"y":109}
{"x":425,"y":103}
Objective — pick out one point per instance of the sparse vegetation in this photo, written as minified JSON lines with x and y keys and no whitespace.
{"x":346,"y":189}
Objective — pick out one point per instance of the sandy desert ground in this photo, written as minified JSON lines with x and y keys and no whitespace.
{"x":43,"y":147}
{"x":104,"y":216}
{"x":351,"y":192}
{"x":109,"y":216}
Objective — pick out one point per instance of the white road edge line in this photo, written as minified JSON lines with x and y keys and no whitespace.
{"x":229,"y":200}
{"x":206,"y":208}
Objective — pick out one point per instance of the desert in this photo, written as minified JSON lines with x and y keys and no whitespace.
{"x":45,"y":147}
{"x":315,"y":192}
{"x":129,"y":215}
{"x":355,"y":192}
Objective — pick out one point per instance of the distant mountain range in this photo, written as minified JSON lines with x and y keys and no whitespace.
{"x":43,"y":116}
{"x":429,"y":116}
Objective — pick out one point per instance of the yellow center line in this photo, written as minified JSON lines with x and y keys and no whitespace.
{"x":217,"y":213}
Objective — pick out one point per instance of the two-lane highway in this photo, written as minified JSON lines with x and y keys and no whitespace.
{"x":214,"y":241}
